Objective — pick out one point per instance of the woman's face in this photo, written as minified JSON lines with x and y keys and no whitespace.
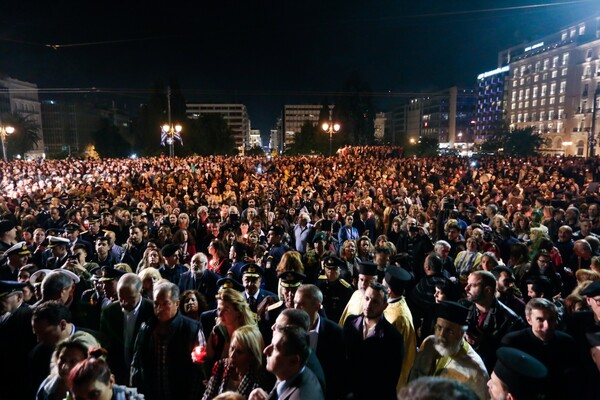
{"x":184,"y":236}
{"x":153,"y":257}
{"x":239,"y":356}
{"x":190,"y":303}
{"x":67,"y":359}
{"x":228,"y":314}
{"x":172,"y":219}
{"x":94,"y":390}
{"x":486,"y":263}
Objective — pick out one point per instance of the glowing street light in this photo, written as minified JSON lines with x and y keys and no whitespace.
{"x":330,"y":128}
{"x":170,"y":132}
{"x":4,"y":132}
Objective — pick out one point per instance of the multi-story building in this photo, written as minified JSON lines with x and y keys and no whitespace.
{"x":235,"y":116}
{"x":491,"y":93}
{"x":552,"y":86}
{"x":296,"y":115}
{"x":254,"y":139}
{"x":20,"y":97}
{"x":379,"y":133}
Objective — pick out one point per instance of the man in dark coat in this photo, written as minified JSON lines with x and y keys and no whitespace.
{"x":251,"y":279}
{"x":16,"y":339}
{"x":120,"y":323}
{"x":162,"y":366}
{"x":376,"y":358}
{"x":200,"y":278}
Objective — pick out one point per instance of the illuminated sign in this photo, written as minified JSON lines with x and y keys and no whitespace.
{"x":535,"y":46}
{"x":494,"y":72}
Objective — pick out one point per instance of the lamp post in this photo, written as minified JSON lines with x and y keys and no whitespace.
{"x":330,"y":128}
{"x":4,"y":132}
{"x":474,"y":136}
{"x":170,"y":131}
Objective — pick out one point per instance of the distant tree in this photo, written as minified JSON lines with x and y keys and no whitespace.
{"x":310,"y":139}
{"x":427,"y":146}
{"x":108,"y":141}
{"x":210,"y":135}
{"x":354,"y":110}
{"x":255,"y":151}
{"x":324,"y":115}
{"x":26,"y":135}
{"x":517,"y":142}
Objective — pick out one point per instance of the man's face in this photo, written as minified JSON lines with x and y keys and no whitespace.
{"x":453,"y":234}
{"x":564,"y":234}
{"x":474,"y":288}
{"x":197,"y":265}
{"x":128,"y":297}
{"x":251,"y":284}
{"x":349,"y":221}
{"x":173,"y":259}
{"x":110,"y":288}
{"x":504,"y":282}
{"x":46,"y":333}
{"x":273,"y":239}
{"x":288,"y":295}
{"x":164,"y":307}
{"x":496,"y":388}
{"x":543,"y":324}
{"x":303,"y":301}
{"x":374,"y":303}
{"x":278,"y":363}
{"x":136,"y":235}
{"x":102,"y":247}
{"x":332,"y":274}
{"x":443,"y":251}
{"x":364,"y":281}
{"x":381,"y":258}
{"x":448,"y":336}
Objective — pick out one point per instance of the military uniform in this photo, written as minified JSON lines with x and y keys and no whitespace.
{"x":336,"y":295}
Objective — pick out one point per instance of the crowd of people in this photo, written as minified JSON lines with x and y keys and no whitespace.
{"x":359,"y":276}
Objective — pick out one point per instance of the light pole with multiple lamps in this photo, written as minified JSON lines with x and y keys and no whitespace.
{"x":4,"y":132}
{"x":330,"y":128}
{"x":170,"y":132}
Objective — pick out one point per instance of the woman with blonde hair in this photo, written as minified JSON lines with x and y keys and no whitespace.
{"x":149,"y":276}
{"x":233,"y":312}
{"x":241,"y":370}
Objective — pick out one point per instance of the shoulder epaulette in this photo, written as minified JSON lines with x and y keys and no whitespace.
{"x":322,"y":277}
{"x":345,"y":284}
{"x":274,"y":306}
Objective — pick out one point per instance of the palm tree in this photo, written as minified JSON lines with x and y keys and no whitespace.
{"x":26,"y":135}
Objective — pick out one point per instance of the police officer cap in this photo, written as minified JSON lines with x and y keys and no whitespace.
{"x":291,"y":279}
{"x":54,"y":241}
{"x":63,"y":271}
{"x":452,"y":311}
{"x":72,"y":228}
{"x":333,"y":262}
{"x":19,"y":248}
{"x":252,"y":270}
{"x":367,"y":268}
{"x":8,"y":287}
{"x":38,"y":276}
{"x":53,"y":231}
{"x":110,"y":273}
{"x":397,"y":278}
{"x":229,"y":282}
{"x":6,"y":225}
{"x":319,"y":236}
{"x":592,"y":290}
{"x":520,"y":372}
{"x":276,"y":229}
{"x":169,"y":249}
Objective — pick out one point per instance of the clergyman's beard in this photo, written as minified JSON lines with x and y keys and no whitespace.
{"x":446,"y":349}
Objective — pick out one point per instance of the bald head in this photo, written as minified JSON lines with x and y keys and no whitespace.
{"x":582,"y":249}
{"x":129,"y":290}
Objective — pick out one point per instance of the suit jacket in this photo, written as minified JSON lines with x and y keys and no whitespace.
{"x":262,"y":293}
{"x":112,"y":325}
{"x":332,"y":356}
{"x":376,"y":359}
{"x":302,"y":387}
{"x":206,"y":284}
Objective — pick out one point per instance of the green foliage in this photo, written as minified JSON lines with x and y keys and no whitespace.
{"x":108,"y":141}
{"x":311,"y":139}
{"x":26,"y":135}
{"x":209,"y":135}
{"x":354,"y":110}
{"x":427,"y":146}
{"x":255,"y":151}
{"x":516,"y":142}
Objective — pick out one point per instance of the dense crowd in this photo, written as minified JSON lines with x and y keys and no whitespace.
{"x":357,"y":276}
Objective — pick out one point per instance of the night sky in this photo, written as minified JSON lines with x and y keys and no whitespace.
{"x":269,"y":53}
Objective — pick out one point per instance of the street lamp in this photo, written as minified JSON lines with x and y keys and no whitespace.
{"x":170,"y":131}
{"x":330,"y":128}
{"x":5,"y":131}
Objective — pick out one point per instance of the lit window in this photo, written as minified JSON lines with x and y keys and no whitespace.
{"x":552,"y":89}
{"x":534,"y":103}
{"x":563,"y":87}
{"x":536,"y":78}
{"x":565,"y":59}
{"x":554,"y":74}
{"x":552,"y":100}
{"x":561,"y":99}
{"x":535,"y":92}
{"x":543,"y":102}
{"x":563,"y":72}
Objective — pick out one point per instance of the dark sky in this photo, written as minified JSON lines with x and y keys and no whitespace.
{"x":269,"y":53}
